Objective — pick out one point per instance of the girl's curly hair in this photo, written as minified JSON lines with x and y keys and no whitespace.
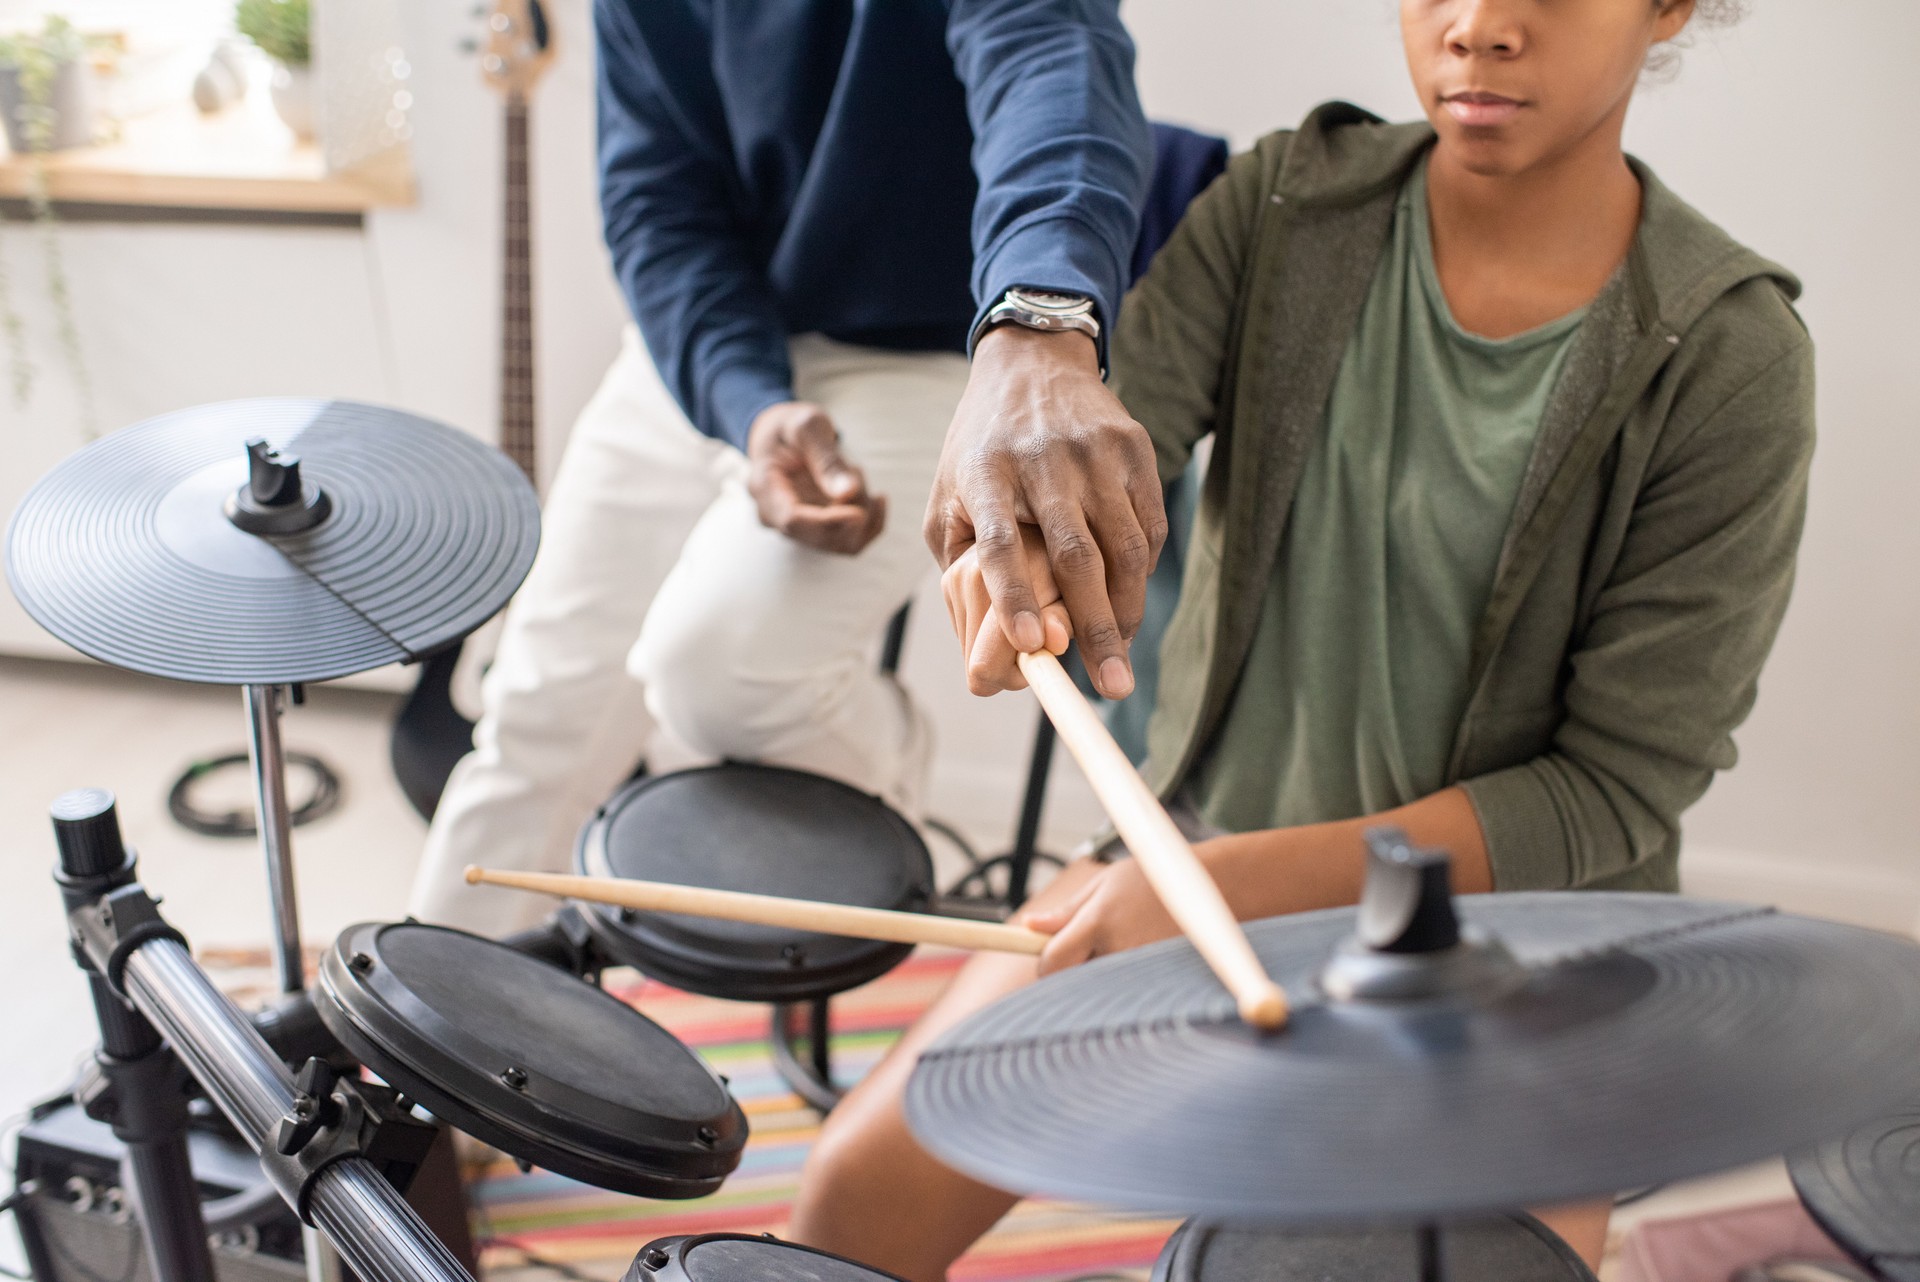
{"x":1664,"y":60}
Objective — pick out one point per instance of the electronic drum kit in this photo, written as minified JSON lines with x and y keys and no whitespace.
{"x":1436,"y":1064}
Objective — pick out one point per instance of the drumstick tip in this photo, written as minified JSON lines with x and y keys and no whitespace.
{"x":473,"y":874}
{"x":1265,"y":1010}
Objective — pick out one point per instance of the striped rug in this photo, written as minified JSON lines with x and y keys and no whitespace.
{"x":596,"y":1233}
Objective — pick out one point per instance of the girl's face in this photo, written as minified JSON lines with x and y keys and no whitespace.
{"x":1514,"y":84}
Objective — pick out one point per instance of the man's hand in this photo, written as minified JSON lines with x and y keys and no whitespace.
{"x":802,"y":484}
{"x":1038,"y":439}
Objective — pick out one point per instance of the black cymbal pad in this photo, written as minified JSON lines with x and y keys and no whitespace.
{"x":126,"y":551}
{"x":1649,"y":1038}
{"x":1865,"y":1191}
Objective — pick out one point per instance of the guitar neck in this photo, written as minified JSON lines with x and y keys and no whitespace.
{"x":516,"y":298}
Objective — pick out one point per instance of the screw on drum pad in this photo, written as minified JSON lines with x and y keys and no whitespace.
{"x":1585,"y":1043}
{"x":531,"y":1059}
{"x":1514,"y":1248}
{"x":1865,"y":1191}
{"x":763,"y":830}
{"x":357,"y":536}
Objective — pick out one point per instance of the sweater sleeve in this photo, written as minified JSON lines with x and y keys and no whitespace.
{"x":1669,"y":664}
{"x":690,"y":278}
{"x":1061,"y":147}
{"x":1171,"y":348}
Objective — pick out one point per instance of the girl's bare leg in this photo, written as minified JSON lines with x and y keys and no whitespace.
{"x":869,"y":1191}
{"x":1583,"y":1226}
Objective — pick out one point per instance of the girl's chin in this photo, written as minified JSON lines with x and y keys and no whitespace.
{"x":1473,"y":152}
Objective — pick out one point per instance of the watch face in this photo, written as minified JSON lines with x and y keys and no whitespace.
{"x":1041,"y":300}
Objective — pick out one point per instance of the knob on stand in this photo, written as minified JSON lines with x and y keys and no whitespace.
{"x":275,"y":500}
{"x":1408,"y":942}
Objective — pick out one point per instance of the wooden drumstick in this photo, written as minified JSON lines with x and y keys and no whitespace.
{"x":1171,"y":867}
{"x":772,"y":910}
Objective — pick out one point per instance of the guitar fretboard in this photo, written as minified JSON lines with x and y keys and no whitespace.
{"x":516,"y":299}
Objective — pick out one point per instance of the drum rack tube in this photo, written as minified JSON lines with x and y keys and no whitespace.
{"x":368,"y":1222}
{"x":124,"y":944}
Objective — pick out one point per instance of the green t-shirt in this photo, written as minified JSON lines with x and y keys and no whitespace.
{"x":1357,"y":678}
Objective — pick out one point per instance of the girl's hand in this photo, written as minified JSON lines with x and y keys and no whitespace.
{"x":1115,"y":910}
{"x":992,"y":662}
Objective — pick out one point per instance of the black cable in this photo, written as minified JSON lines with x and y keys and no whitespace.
{"x":981,"y":876}
{"x":941,"y":828}
{"x":323,"y":800}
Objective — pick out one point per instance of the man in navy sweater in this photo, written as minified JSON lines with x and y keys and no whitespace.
{"x":817,"y":210}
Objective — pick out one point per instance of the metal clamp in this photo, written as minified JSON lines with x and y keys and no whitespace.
{"x":107,"y":930}
{"x":332,"y":1119}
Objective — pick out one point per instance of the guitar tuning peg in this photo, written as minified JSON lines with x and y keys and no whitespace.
{"x":469,"y":45}
{"x":479,"y":11}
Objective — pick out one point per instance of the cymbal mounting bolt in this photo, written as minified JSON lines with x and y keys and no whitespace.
{"x":515,"y":1078}
{"x":708,"y":1136}
{"x":360,"y":963}
{"x":655,"y":1259}
{"x":794,"y":955}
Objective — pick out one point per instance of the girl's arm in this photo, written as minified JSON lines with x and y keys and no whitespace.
{"x":1263,"y":874}
{"x":1667,"y":663}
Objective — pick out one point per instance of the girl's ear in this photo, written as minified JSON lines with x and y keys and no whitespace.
{"x":1671,"y":18}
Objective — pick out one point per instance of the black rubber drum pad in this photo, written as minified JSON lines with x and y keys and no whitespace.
{"x":531,"y":1059}
{"x":125,"y":552}
{"x":766,"y":831}
{"x":1515,"y":1248}
{"x":735,"y":1257}
{"x":1645,"y":1038}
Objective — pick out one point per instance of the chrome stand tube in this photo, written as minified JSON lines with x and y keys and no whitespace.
{"x":377,"y":1234}
{"x":276,"y":830}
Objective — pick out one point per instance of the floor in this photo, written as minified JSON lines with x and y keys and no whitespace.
{"x":68,"y":725}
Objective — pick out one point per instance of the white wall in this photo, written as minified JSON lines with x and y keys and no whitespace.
{"x":1786,"y":129}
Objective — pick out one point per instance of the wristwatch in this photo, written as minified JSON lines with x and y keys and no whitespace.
{"x":1040,"y":309}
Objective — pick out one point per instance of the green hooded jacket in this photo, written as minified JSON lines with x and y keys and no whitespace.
{"x":1651,"y":551}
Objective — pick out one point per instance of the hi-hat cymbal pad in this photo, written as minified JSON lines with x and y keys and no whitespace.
{"x":1568,"y":1045}
{"x":272,"y":541}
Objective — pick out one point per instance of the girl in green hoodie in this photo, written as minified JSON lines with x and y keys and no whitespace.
{"x":1508,"y":471}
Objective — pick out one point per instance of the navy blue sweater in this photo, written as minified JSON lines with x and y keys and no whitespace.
{"x":874,"y":170}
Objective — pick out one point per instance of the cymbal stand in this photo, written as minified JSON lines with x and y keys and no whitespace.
{"x":275,"y":821}
{"x":276,"y":828}
{"x":1426,"y":1246}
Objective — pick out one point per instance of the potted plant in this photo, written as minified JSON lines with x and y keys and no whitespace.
{"x":46,"y":88}
{"x":46,"y":96}
{"x":281,"y":29}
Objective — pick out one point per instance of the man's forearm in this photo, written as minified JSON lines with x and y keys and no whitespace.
{"x":1290,"y":870}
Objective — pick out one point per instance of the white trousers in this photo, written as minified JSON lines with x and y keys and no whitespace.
{"x":658,"y":597}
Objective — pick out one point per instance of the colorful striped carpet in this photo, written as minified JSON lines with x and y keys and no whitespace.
{"x":596,"y":1233}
